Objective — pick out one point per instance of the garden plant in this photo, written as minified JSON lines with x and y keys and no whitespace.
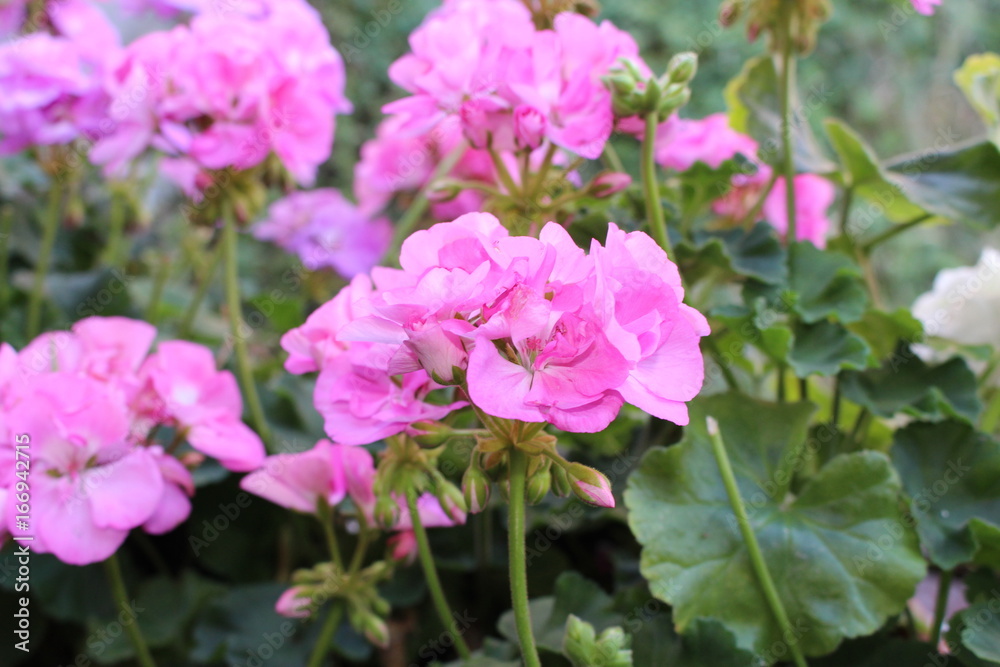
{"x":546,"y":368}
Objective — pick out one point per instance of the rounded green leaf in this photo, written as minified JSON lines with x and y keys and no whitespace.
{"x":841,"y":557}
{"x":951,"y":474}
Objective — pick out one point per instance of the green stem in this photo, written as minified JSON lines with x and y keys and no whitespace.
{"x":235,"y":308}
{"x":612,"y":160}
{"x":782,"y":393}
{"x":504,"y":175}
{"x":845,"y":213}
{"x":940,"y":607}
{"x":835,"y":408}
{"x":326,"y":636}
{"x":416,"y":211}
{"x":430,"y":573}
{"x":860,"y":424}
{"x":654,"y":207}
{"x":116,"y":228}
{"x":50,"y":227}
{"x":787,"y":74}
{"x":325,"y":516}
{"x":199,"y":297}
{"x":543,"y":171}
{"x":518,"y":568}
{"x":753,"y":547}
{"x":159,"y":283}
{"x":6,"y":223}
{"x":364,"y":536}
{"x":991,"y":416}
{"x":892,"y":231}
{"x":114,"y":572}
{"x":754,"y":213}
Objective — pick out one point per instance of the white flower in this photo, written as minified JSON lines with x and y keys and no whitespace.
{"x":963,"y":307}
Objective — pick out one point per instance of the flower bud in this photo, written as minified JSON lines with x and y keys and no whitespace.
{"x":674,"y":97}
{"x":529,"y":126}
{"x":585,"y":649}
{"x":560,"y":482}
{"x":476,"y":489}
{"x":590,"y":486}
{"x":431,"y":434}
{"x":538,"y":487}
{"x":376,"y":630}
{"x":386,"y":511}
{"x":609,"y":183}
{"x":403,"y":546}
{"x":294,"y":603}
{"x":451,"y":499}
{"x":682,"y":67}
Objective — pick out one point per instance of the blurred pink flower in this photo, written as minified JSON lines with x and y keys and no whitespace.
{"x":813,"y":197}
{"x":925,"y":7}
{"x":227,"y":91}
{"x":326,"y":230}
{"x":681,"y":142}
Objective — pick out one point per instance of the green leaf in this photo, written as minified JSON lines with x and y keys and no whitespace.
{"x":879,"y":651}
{"x":959,"y":183}
{"x":825,"y":284}
{"x":818,"y":544}
{"x":656,"y":643}
{"x":950,"y":473}
{"x":862,"y":171}
{"x":987,"y":538}
{"x":977,"y":630}
{"x":752,"y":98}
{"x":573,"y":594}
{"x":755,"y":254}
{"x":979,"y":79}
{"x":883,"y":330}
{"x":906,"y":384}
{"x":824,"y":348}
{"x":762,"y":329}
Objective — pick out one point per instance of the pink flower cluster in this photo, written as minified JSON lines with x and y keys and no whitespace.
{"x":88,"y":403}
{"x":225,"y":92}
{"x":326,"y":231}
{"x":539,"y":330}
{"x":508,"y":83}
{"x":680,"y":143}
{"x":52,"y":83}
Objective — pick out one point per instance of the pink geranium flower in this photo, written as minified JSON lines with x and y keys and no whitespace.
{"x":186,"y":391}
{"x":326,"y":230}
{"x":680,"y":142}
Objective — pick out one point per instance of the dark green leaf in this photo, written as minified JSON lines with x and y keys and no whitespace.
{"x":756,"y":253}
{"x":950,"y":473}
{"x":823,"y":546}
{"x":573,"y":595}
{"x":958,"y":184}
{"x":906,"y":384}
{"x":824,"y":348}
{"x":825,"y":284}
{"x":883,"y":331}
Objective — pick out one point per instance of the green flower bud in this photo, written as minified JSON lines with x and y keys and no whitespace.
{"x":451,"y":498}
{"x":538,"y":487}
{"x":682,"y":67}
{"x":386,"y":511}
{"x":560,"y":482}
{"x":476,"y":489}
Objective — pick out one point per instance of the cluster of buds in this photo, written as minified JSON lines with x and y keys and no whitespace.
{"x":358,"y":591}
{"x":406,"y":465}
{"x":585,"y":648}
{"x":547,"y":469}
{"x":803,"y":18}
{"x":635,"y":94}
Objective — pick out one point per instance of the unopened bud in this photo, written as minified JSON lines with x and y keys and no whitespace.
{"x":451,"y":499}
{"x":431,"y":434}
{"x":590,"y":486}
{"x":560,"y":482}
{"x":386,"y":511}
{"x":538,"y":487}
{"x":682,"y":67}
{"x":476,"y":489}
{"x":529,"y":126}
{"x":609,"y":183}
